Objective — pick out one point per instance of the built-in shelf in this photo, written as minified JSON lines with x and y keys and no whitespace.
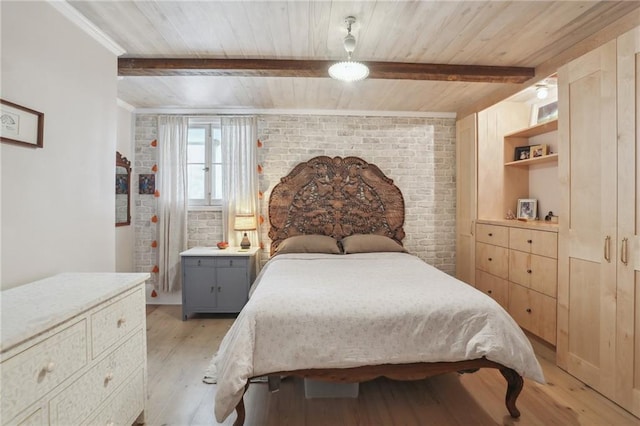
{"x":551,"y":158}
{"x":538,"y":129}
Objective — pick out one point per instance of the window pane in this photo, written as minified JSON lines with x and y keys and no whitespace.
{"x":217,"y":145}
{"x":195,"y":152}
{"x":196,"y":134}
{"x":196,"y":181}
{"x":216,"y":185}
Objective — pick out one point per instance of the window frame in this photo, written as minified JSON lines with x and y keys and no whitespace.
{"x":207,"y":203}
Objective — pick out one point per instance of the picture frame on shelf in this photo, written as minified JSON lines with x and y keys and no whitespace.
{"x":527,"y":208}
{"x":541,"y":113}
{"x":522,"y":153}
{"x":538,"y":151}
{"x":20,"y":125}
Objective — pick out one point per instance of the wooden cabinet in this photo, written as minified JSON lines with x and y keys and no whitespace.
{"x":598,"y":303}
{"x":517,"y":267}
{"x":74,"y":350}
{"x":216,"y":281}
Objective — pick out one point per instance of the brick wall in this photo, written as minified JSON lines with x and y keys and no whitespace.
{"x":417,"y":153}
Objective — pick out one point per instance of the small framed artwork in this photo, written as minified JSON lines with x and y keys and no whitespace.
{"x":20,"y":125}
{"x":522,"y":153}
{"x":147,"y":184}
{"x":538,"y":151}
{"x":527,"y":208}
{"x":541,"y":113}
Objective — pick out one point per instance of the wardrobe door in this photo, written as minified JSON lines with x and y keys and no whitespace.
{"x":588,"y":240}
{"x":465,"y":198}
{"x":628,"y":259}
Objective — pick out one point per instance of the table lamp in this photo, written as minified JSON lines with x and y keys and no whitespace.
{"x":245,"y":222}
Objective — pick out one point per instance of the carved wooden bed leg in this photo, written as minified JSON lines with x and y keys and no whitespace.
{"x":240,"y":408}
{"x":514,"y":387}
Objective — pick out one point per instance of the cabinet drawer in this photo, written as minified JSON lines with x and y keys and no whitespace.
{"x":533,"y":311}
{"x":536,"y":272}
{"x":492,"y":259}
{"x":42,"y":367}
{"x":97,"y":384}
{"x":125,"y":405}
{"x":194,"y":262}
{"x":231,"y":262}
{"x":542,"y":243}
{"x":116,"y":320}
{"x":496,"y":288}
{"x":492,"y":234}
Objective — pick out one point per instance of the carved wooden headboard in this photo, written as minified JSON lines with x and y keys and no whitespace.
{"x":336,"y":197}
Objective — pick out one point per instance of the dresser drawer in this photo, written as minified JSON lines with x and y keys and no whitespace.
{"x":41,"y":368}
{"x":492,"y":259}
{"x":124,"y":407}
{"x":536,"y":272}
{"x":542,"y":243}
{"x":98,"y":383}
{"x":116,"y":320}
{"x":199,"y":262}
{"x":496,"y":288}
{"x":492,"y":234}
{"x":533,"y":311}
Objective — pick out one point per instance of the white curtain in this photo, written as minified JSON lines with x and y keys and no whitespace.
{"x":172,"y":203}
{"x":240,"y":175}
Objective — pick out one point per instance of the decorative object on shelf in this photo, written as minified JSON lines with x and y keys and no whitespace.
{"x":546,"y":112}
{"x":349,"y":70}
{"x":538,"y":151}
{"x":522,"y":153}
{"x":222,"y":245}
{"x":551,"y":218}
{"x":527,"y":208}
{"x":20,"y":125}
{"x":510,"y":215}
{"x":147,"y":184}
{"x":245,"y":222}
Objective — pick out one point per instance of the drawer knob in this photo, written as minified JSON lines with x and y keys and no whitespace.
{"x":108,"y":377}
{"x":490,"y":259}
{"x":110,"y":424}
{"x":530,"y":241}
{"x":489,"y":291}
{"x":529,"y":310}
{"x":50,"y":367}
{"x":529,"y":271}
{"x":490,"y":234}
{"x":121,"y":321}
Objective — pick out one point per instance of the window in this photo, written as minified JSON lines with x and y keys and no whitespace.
{"x":204,"y":163}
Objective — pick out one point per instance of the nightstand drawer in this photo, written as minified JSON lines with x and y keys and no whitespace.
{"x":115,"y":321}
{"x":42,"y":367}
{"x":98,"y":384}
{"x":196,"y":262}
{"x":232,"y":262}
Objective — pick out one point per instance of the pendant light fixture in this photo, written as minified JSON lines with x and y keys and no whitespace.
{"x":349,"y":70}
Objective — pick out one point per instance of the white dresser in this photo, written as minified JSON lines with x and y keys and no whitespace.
{"x":73,"y":350}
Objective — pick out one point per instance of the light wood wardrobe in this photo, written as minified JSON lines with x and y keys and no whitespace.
{"x":599,"y":249}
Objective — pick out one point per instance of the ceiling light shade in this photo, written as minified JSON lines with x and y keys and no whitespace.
{"x":349,"y":70}
{"x":542,"y":91}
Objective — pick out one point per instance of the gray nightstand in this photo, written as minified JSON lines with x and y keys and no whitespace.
{"x":216,"y":281}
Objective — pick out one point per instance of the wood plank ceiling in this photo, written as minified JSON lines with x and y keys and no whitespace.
{"x":520,"y":34}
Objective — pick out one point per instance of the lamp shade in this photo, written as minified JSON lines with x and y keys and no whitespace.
{"x":349,"y":71}
{"x":245,"y":222}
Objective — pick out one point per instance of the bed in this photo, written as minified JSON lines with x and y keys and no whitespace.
{"x":341,"y":299}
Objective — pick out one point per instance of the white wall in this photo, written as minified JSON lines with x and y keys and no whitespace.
{"x":124,"y":145}
{"x":57,"y":202}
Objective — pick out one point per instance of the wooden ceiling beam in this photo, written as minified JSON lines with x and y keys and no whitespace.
{"x":318,"y":69}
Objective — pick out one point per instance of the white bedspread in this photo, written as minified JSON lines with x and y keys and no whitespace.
{"x":339,"y":311}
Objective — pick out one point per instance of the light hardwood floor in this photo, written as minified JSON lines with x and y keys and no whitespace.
{"x":179,"y":353}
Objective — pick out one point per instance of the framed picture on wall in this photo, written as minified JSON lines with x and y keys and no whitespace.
{"x":522,"y":153}
{"x":527,"y":208}
{"x":20,"y":125}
